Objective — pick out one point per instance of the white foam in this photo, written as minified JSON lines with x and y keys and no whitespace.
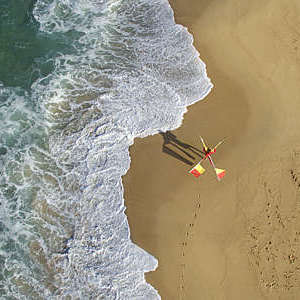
{"x":134,"y":74}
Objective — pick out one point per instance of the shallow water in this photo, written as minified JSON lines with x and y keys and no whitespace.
{"x":79,"y":81}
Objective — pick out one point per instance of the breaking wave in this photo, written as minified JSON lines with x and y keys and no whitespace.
{"x":132,"y":72}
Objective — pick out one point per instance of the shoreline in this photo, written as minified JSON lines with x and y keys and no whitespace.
{"x":210,"y":238}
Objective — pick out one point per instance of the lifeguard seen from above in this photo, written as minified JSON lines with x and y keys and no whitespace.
{"x":199,"y":170}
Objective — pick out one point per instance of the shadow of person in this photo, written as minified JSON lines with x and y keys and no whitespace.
{"x":188,"y":150}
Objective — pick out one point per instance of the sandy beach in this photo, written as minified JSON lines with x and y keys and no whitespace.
{"x":240,"y":238}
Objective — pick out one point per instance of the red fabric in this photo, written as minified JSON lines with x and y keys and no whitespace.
{"x":221,"y":175}
{"x":195,"y":173}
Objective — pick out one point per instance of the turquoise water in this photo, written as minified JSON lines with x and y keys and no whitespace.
{"x":79,"y":80}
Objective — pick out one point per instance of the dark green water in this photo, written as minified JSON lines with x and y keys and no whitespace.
{"x":25,"y":53}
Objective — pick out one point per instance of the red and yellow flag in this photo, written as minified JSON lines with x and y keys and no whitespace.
{"x":197,"y":170}
{"x":220,"y":173}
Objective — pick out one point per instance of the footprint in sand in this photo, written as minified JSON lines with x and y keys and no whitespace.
{"x":184,"y":245}
{"x":272,"y":216}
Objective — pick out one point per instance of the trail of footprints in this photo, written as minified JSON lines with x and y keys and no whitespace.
{"x":188,"y":237}
{"x":295,"y":177}
{"x":271,"y":248}
{"x":274,"y":233}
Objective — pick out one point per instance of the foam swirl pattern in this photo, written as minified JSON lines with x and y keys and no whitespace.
{"x":133,"y":73}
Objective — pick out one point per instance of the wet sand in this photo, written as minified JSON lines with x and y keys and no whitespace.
{"x":240,"y":237}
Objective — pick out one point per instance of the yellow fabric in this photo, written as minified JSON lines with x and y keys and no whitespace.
{"x":199,"y":168}
{"x":219,"y":171}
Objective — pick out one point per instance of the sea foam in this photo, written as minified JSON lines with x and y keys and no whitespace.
{"x":132,"y":74}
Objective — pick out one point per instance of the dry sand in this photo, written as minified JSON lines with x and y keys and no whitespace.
{"x":238,"y":239}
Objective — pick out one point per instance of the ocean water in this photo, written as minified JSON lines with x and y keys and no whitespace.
{"x":79,"y":80}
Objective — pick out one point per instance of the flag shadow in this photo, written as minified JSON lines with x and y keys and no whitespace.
{"x":188,"y":150}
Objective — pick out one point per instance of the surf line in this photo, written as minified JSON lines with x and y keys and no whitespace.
{"x":188,"y":236}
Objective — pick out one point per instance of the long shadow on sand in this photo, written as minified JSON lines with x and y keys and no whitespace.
{"x":170,"y":139}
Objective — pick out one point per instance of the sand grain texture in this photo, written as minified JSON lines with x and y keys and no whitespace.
{"x":239,"y":238}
